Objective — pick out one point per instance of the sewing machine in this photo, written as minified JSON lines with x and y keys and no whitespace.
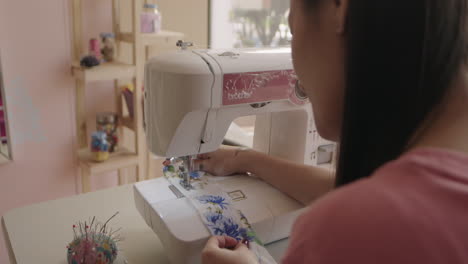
{"x":191,"y":99}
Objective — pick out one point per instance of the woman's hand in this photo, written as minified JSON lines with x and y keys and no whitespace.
{"x":302,"y":182}
{"x":222,"y":162}
{"x":226,"y":250}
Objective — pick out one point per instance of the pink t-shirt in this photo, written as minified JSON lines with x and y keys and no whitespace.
{"x":412,"y":210}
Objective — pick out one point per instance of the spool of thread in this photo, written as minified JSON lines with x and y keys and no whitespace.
{"x":95,"y":48}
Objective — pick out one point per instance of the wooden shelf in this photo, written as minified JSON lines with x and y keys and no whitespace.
{"x":104,"y":72}
{"x":163,"y":36}
{"x":3,"y":153}
{"x":117,"y":160}
{"x":3,"y":159}
{"x":151,"y":38}
{"x":126,"y":37}
{"x":127,"y":122}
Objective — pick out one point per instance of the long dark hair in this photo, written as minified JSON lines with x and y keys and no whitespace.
{"x":402,"y":58}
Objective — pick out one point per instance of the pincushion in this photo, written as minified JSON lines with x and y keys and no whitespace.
{"x":93,"y":244}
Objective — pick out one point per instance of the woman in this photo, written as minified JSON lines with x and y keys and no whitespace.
{"x":387,"y":80}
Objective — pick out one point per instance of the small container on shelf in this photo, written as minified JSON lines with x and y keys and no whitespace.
{"x":107,"y":123}
{"x":108,"y":50}
{"x":95,"y":48}
{"x":99,"y":146}
{"x":151,"y":19}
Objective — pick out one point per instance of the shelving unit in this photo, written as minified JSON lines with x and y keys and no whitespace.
{"x":154,"y":39}
{"x":3,"y":151}
{"x":117,"y":71}
{"x":120,"y":159}
{"x":104,"y":72}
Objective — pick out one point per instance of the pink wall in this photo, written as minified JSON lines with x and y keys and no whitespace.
{"x":35,"y":47}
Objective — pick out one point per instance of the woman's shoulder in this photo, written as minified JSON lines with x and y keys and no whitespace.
{"x":381,"y":219}
{"x":347,"y":223}
{"x":360,"y":222}
{"x":426,"y":162}
{"x":365,"y":204}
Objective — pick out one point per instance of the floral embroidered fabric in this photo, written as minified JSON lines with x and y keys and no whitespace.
{"x":223,"y":219}
{"x":220,"y":216}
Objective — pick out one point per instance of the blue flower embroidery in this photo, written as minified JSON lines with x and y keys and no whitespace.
{"x":214,"y":200}
{"x":213,"y":218}
{"x":195,"y":175}
{"x":221,"y":225}
{"x":229,"y":228}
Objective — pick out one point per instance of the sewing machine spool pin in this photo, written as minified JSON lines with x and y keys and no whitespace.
{"x":183,"y":45}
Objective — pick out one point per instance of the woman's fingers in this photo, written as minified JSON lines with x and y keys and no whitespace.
{"x":203,"y":156}
{"x":202,"y":165}
{"x":230,"y":242}
{"x":240,"y":247}
{"x":218,"y":163}
{"x":216,"y":242}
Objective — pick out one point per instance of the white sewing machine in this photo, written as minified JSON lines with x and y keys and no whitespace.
{"x":191,"y":99}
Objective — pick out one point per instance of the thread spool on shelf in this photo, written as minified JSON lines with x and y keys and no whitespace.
{"x":95,"y":48}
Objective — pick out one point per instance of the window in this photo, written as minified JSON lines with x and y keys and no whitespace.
{"x":249,"y":23}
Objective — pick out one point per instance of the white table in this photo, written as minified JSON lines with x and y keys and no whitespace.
{"x":40,"y":233}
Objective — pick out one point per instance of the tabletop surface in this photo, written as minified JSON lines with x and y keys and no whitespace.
{"x":40,"y":233}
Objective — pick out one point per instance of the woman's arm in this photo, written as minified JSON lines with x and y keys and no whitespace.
{"x":301,"y":182}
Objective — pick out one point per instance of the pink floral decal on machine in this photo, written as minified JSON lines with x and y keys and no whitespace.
{"x":257,"y":87}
